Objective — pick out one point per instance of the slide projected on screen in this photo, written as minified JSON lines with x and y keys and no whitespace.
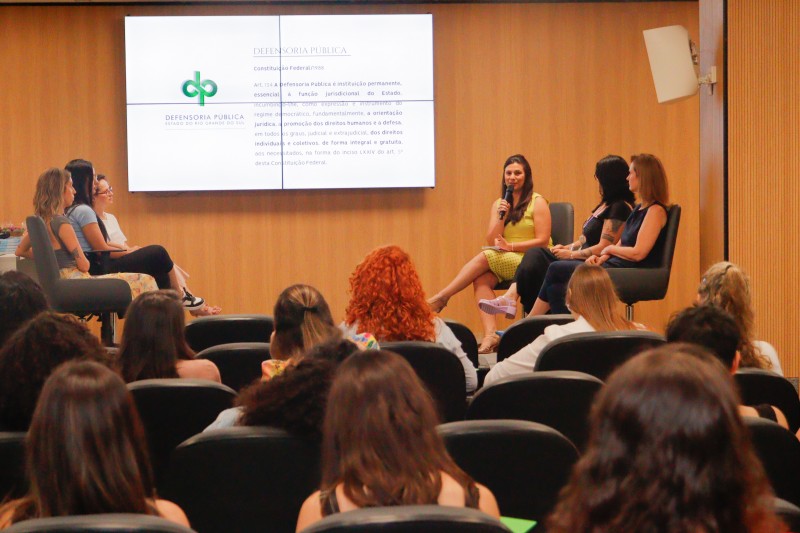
{"x":279,"y":102}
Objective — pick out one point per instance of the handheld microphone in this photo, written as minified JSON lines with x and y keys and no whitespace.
{"x":508,"y":197}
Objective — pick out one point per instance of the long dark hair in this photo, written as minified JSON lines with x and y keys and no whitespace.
{"x":84,"y":181}
{"x":612,"y":173}
{"x":379,"y":436}
{"x":668,"y":451}
{"x":86,"y":451}
{"x":153,"y":340}
{"x":518,"y":211}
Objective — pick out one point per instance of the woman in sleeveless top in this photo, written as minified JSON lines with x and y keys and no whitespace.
{"x":603,"y":227}
{"x":380,"y":446}
{"x":86,"y":451}
{"x":639,"y":244}
{"x":514,"y":227}
{"x":54,"y":190}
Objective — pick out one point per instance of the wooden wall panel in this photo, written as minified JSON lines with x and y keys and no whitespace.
{"x":764,"y":163}
{"x":564,"y":84}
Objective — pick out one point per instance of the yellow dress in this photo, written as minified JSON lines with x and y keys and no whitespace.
{"x":504,"y":264}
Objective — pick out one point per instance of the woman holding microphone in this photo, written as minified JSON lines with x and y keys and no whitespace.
{"x":518,"y":221}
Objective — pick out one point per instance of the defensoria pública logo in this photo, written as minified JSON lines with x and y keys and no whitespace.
{"x":195,"y":87}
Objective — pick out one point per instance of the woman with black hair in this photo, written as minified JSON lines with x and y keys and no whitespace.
{"x":93,"y":236}
{"x":602,"y":228}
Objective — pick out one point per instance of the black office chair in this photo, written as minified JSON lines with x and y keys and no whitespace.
{"x":13,"y":483}
{"x":789,"y":513}
{"x":596,"y":353}
{"x":409,"y":519}
{"x":116,"y":522}
{"x":172,"y":410}
{"x":207,"y":331}
{"x":243,"y":479}
{"x":239,"y":363}
{"x":524,"y":464}
{"x":525,"y":331}
{"x":561,"y":399}
{"x":440,"y":371}
{"x":468,"y":342}
{"x":758,"y":386}
{"x":779,"y":451}
{"x":562,"y":229}
{"x":643,"y":284}
{"x":105,"y":298}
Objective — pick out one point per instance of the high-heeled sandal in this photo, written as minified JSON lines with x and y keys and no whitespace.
{"x":489,"y":344}
{"x":437,"y":303}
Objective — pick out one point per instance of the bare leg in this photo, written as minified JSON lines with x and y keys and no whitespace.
{"x":540,"y":307}
{"x":511,"y":293}
{"x":174,"y":281}
{"x":483,"y":287}
{"x":475,"y":267}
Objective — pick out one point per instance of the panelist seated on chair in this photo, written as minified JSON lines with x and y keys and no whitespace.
{"x":380,"y":446}
{"x":640,"y":244}
{"x":602,"y":228}
{"x":591,"y":300}
{"x":54,"y":191}
{"x":86,"y":451}
{"x":153,"y":342}
{"x":716,"y":331}
{"x":518,"y":221}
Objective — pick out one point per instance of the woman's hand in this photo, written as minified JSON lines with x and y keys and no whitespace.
{"x":597,"y":259}
{"x":563,"y":253}
{"x":609,"y":250}
{"x":503,"y":244}
{"x":503,"y":207}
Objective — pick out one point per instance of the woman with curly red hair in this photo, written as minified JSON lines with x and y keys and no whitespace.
{"x":387,"y":300}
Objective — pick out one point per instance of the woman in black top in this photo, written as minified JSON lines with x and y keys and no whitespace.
{"x":602,"y":228}
{"x":639,"y":245}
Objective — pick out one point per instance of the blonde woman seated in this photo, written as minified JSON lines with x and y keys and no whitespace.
{"x":727,"y":286}
{"x":153,"y":342}
{"x":386,"y":299}
{"x":594,"y":304}
{"x":86,"y":451}
{"x":380,"y":446}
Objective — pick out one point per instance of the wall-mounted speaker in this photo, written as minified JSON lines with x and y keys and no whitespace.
{"x":671,"y":63}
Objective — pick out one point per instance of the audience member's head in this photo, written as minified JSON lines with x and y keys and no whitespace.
{"x":86,"y":451}
{"x":591,"y":294}
{"x":380,"y":438}
{"x":725,"y":285}
{"x":153,"y":340}
{"x":668,"y":451}
{"x":53,"y":190}
{"x":653,"y":185}
{"x":29,"y":357}
{"x":295,"y":400}
{"x":83,"y":179}
{"x":711,"y":328}
{"x":611,"y":173}
{"x":302,"y":320}
{"x":386,"y":298}
{"x":21,"y":299}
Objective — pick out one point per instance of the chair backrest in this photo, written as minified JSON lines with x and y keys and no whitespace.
{"x":650,"y":283}
{"x":44,"y":257}
{"x":561,"y":399}
{"x":562,"y":217}
{"x":597,"y":353}
{"x":525,"y":331}
{"x":119,"y":522}
{"x":524,"y":464}
{"x":239,"y":363}
{"x":243,"y":479}
{"x":467,"y":338}
{"x":779,"y":451}
{"x":207,"y":331}
{"x":13,"y":482}
{"x":409,"y":519}
{"x":758,"y":386}
{"x":440,"y":371}
{"x":172,"y":410}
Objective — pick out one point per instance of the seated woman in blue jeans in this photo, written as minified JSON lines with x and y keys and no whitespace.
{"x":639,"y":245}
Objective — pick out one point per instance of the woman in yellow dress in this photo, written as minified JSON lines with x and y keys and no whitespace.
{"x":515,"y":225}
